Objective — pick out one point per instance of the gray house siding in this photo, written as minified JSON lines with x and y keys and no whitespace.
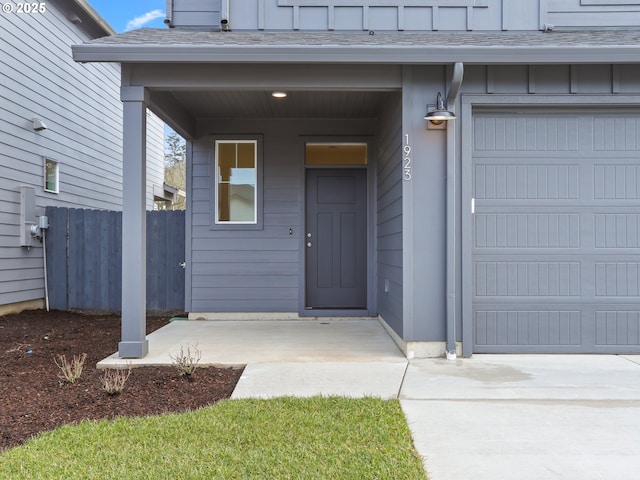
{"x":424,"y":233}
{"x":240,"y":270}
{"x":389,"y":214}
{"x":424,"y":264}
{"x":195,"y":13}
{"x":404,"y":15}
{"x":80,"y":106}
{"x":155,"y":157}
{"x":593,"y":13}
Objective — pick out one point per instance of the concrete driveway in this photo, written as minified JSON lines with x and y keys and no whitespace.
{"x":489,"y":417}
{"x":526,"y":416}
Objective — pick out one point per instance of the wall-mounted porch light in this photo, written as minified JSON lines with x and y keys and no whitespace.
{"x":440,"y":114}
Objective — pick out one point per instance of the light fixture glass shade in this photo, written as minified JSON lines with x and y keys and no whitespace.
{"x":440,"y":114}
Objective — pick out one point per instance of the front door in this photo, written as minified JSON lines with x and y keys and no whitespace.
{"x":336,"y":239}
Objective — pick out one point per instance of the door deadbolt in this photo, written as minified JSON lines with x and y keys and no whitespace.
{"x":309,"y":235}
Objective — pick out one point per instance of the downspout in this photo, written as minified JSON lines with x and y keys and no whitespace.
{"x":168,"y":21}
{"x":452,"y":97}
{"x":224,"y":16}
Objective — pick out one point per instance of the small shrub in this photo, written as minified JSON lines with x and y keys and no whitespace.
{"x":186,"y":361}
{"x":71,"y":370}
{"x":113,"y":380}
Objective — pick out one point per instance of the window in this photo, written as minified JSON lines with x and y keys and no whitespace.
{"x":236,"y":171}
{"x":51,"y":176}
{"x":336,"y":154}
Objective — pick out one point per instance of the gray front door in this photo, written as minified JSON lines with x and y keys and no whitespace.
{"x":336,"y":239}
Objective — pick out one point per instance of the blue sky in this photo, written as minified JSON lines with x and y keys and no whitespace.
{"x":125,"y":15}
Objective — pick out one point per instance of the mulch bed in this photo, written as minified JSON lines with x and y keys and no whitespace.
{"x":34,"y":399}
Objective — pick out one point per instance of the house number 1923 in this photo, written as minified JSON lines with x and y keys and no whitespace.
{"x":406,"y":158}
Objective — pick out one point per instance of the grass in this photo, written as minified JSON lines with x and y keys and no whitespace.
{"x":284,"y":438}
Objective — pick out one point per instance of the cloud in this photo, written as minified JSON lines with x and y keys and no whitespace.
{"x":144,"y":19}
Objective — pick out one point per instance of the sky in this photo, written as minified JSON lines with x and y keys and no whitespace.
{"x":125,"y":15}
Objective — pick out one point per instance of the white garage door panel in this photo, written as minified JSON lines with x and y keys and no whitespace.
{"x":556,"y":233}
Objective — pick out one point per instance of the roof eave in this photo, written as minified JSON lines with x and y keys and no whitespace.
{"x":355,"y":54}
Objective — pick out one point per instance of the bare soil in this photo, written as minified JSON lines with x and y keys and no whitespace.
{"x":34,"y":399}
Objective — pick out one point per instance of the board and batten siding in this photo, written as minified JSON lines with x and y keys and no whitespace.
{"x":195,"y":13}
{"x":405,"y":15}
{"x":80,"y":104}
{"x":240,"y":270}
{"x":592,"y":13}
{"x":389,"y":213}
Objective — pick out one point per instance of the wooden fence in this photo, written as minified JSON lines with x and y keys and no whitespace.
{"x":84,"y":260}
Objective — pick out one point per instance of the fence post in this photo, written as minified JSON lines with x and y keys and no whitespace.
{"x":56,"y":245}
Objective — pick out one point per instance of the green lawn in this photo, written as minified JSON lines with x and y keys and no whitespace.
{"x":285,"y":438}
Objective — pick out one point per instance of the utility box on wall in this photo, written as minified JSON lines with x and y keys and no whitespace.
{"x":27,"y":215}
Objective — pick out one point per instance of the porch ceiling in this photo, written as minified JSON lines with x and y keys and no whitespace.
{"x":298,"y":104}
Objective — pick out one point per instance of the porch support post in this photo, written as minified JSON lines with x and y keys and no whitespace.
{"x":134,"y":343}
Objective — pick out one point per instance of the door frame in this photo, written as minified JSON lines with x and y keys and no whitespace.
{"x":371,"y":309}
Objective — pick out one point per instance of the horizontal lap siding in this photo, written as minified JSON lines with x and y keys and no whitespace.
{"x":155,"y":155}
{"x":254,"y":270}
{"x":389,"y":215}
{"x":249,"y":270}
{"x":81,"y":108}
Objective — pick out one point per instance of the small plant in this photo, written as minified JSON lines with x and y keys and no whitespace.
{"x":71,"y":370}
{"x":113,"y":380}
{"x":186,"y":361}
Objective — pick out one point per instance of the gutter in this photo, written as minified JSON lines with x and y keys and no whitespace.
{"x":372,"y":54}
{"x":451,"y":242}
{"x":95,"y":17}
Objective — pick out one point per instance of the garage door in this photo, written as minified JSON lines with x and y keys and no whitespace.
{"x":556,"y":232}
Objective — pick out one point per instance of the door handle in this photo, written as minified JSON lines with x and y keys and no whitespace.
{"x":309,"y":244}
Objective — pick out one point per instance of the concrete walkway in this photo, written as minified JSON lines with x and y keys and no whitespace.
{"x":489,"y":417}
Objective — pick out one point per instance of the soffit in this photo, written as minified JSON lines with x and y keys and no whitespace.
{"x":298,"y":104}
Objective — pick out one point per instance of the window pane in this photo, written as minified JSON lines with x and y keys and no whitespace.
{"x":51,"y":176}
{"x":237,"y":182}
{"x":336,"y":154}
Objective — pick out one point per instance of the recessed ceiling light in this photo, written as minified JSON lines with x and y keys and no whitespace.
{"x":279,"y":94}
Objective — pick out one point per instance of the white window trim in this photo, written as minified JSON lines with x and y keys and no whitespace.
{"x":57,"y":178}
{"x":256,"y":196}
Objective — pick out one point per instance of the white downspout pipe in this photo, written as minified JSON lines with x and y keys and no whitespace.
{"x":224,"y":16}
{"x":452,"y":97}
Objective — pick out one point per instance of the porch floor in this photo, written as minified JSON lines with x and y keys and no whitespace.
{"x":354,"y":357}
{"x":237,"y":343}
